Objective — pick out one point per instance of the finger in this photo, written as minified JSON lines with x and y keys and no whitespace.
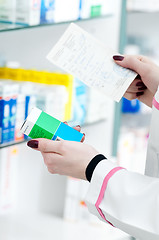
{"x":45,"y":145}
{"x":135,"y":89}
{"x":146,"y":98}
{"x":78,"y":128}
{"x":135,"y":63}
{"x":65,"y":122}
{"x":135,"y":86}
{"x":83,"y":138}
{"x":130,"y":96}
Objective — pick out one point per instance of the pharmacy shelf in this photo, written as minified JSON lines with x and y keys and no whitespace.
{"x":9,"y":144}
{"x":142,"y":11}
{"x":45,"y":226}
{"x":136,"y":120}
{"x":5,"y":27}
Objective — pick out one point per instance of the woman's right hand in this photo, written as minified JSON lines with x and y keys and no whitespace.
{"x":146,"y":83}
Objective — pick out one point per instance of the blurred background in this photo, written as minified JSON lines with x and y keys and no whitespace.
{"x":33,"y":203}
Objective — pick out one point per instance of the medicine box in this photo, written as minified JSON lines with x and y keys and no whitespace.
{"x":28,"y":12}
{"x":41,"y":125}
{"x":47,"y":11}
{"x":7,"y":11}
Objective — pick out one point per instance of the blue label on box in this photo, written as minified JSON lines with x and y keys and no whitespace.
{"x":130,"y":106}
{"x":47,"y":11}
{"x":5,"y":120}
{"x":12,"y":120}
{"x":79,"y":103}
{"x":67,"y":133}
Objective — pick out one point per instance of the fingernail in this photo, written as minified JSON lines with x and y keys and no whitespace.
{"x":78,"y":126}
{"x":140,"y":84}
{"x":118,"y":57}
{"x":33,"y":143}
{"x":142,"y":88}
{"x":84,"y":134}
{"x":139,"y":94}
{"x":65,"y":122}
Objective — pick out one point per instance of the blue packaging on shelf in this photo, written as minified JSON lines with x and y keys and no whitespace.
{"x":30,"y":102}
{"x":79,"y":103}
{"x":47,"y":11}
{"x":130,"y":106}
{"x":13,"y":110}
{"x":12,"y":120}
{"x":4,"y":120}
{"x":5,"y":104}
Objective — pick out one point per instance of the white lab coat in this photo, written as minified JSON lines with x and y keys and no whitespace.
{"x":128,"y":200}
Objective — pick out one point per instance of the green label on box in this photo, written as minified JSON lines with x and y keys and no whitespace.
{"x":96,"y":11}
{"x":48,"y":123}
{"x":38,"y":132}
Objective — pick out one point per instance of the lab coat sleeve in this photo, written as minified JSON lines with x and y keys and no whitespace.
{"x":152,"y":161}
{"x":128,"y":200}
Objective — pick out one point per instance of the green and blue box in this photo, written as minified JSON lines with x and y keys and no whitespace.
{"x":41,"y":125}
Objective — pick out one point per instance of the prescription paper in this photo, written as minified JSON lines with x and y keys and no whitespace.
{"x":80,"y":54}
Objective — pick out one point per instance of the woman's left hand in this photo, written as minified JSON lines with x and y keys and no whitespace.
{"x":64,"y":157}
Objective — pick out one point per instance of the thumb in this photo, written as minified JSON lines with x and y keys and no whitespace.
{"x":134,"y":63}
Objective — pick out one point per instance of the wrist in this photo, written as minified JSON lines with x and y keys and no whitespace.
{"x":92,"y":165}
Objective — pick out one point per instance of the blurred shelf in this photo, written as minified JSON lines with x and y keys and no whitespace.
{"x":5,"y":27}
{"x":47,"y":226}
{"x":85,"y":125}
{"x":9,"y":144}
{"x":136,"y":120}
{"x":143,"y":11}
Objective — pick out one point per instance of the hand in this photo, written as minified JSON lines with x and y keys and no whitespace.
{"x":65,"y":157}
{"x":145,"y":85}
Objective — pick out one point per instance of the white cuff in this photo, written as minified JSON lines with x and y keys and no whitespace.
{"x":101,"y":175}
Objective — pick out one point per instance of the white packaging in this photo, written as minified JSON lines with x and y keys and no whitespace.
{"x":94,"y":8}
{"x":75,"y":208}
{"x":66,"y":10}
{"x":132,"y":149}
{"x":143,"y":5}
{"x":28,"y":12}
{"x":8,"y":179}
{"x":13,"y":109}
{"x":52,"y":100}
{"x":20,"y":116}
{"x":5,"y":105}
{"x":25,"y":102}
{"x":85,"y":9}
{"x":7,"y":11}
{"x":107,"y":7}
{"x":98,"y":107}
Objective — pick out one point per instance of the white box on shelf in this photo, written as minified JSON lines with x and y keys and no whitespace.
{"x":66,"y":10}
{"x":8,"y":179}
{"x":95,"y":8}
{"x":28,"y":12}
{"x":47,"y":11}
{"x":7,"y":11}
